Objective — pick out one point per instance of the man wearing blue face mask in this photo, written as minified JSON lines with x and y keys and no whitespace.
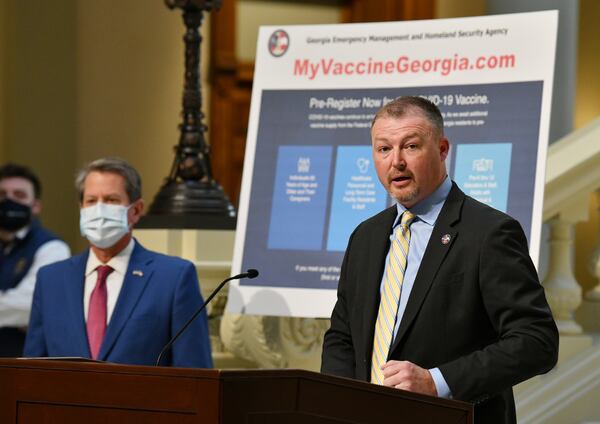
{"x":25,"y":246}
{"x":117,"y":301}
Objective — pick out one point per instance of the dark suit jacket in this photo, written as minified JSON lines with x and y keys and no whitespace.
{"x":159,"y":294}
{"x":477,"y":310}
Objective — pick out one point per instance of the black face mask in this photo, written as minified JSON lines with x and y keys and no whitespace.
{"x":14,"y":215}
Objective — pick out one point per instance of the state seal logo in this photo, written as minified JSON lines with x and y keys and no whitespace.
{"x":279,"y":43}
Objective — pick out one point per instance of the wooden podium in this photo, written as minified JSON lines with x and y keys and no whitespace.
{"x":65,"y":392}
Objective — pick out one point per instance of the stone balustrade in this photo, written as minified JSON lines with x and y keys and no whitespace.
{"x":572,"y":178}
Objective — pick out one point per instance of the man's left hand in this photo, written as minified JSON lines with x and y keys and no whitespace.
{"x":408,"y":376}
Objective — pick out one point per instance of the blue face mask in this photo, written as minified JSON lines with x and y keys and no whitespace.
{"x":104,"y":224}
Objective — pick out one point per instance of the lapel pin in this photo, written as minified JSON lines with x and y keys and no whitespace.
{"x":446,"y":239}
{"x":137,"y":272}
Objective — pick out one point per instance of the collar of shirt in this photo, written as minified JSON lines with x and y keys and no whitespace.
{"x":429,"y":208}
{"x":119,"y":262}
{"x":20,"y":235}
{"x":7,"y":247}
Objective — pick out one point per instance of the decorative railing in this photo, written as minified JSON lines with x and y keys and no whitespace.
{"x":572,"y":188}
{"x":572,"y":178}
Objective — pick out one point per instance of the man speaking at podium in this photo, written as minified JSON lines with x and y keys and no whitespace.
{"x":117,"y":301}
{"x":437,"y":294}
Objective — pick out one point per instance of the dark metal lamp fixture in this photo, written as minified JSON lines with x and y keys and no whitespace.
{"x":190,"y":197}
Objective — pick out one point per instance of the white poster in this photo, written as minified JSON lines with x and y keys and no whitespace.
{"x":308,"y":174}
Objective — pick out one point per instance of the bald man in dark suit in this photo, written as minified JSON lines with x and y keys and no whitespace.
{"x":470,"y":318}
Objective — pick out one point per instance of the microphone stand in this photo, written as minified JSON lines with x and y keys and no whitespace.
{"x":251,"y":273}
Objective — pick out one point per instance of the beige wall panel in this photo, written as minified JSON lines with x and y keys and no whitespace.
{"x":459,"y":8}
{"x":587,"y":236}
{"x":587,"y":96}
{"x":39,"y":101}
{"x":587,"y":108}
{"x":130,"y":84}
{"x":253,"y":13}
{"x":3,"y":82}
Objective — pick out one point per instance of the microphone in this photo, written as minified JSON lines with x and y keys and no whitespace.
{"x":251,"y":273}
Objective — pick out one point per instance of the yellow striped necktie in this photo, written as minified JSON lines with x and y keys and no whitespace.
{"x":390,"y":296}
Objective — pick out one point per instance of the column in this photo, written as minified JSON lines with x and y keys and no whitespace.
{"x":562,"y":290}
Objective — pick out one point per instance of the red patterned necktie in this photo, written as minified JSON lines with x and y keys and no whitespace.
{"x":96,"y":323}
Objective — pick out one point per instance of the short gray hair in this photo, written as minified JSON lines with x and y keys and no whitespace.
{"x":133,"y":182}
{"x":405,"y":105}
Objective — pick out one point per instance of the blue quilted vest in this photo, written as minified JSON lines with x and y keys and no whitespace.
{"x":15,"y":265}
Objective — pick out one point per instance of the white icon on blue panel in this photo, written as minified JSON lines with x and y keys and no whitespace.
{"x":303,"y":164}
{"x":363,"y":165}
{"x":483,"y":165}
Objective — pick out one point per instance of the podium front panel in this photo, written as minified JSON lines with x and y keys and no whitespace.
{"x":53,"y":392}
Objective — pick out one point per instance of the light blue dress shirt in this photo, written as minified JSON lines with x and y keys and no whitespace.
{"x":426,"y":213}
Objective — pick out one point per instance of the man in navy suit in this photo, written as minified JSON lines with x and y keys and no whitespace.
{"x":437,"y":294}
{"x":116,"y":302}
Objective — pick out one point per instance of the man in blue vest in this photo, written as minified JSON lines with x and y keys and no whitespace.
{"x":25,"y":246}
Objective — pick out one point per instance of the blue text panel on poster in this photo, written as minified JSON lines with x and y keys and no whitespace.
{"x":300,"y":197}
{"x":504,"y":129}
{"x":357,"y":194}
{"x":483,"y":172}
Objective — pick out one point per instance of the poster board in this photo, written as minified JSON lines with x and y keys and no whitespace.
{"x":308,"y":174}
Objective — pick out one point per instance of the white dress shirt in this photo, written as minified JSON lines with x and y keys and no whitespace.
{"x":114,"y":281}
{"x":15,"y":303}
